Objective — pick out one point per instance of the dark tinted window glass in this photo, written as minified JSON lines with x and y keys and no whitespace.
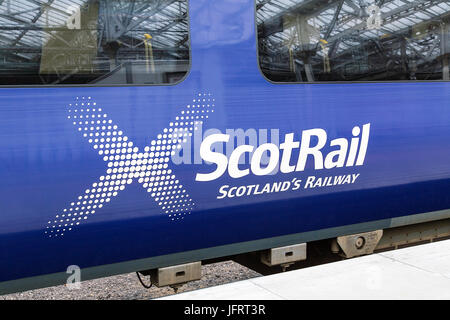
{"x":353,"y":40}
{"x":97,"y":42}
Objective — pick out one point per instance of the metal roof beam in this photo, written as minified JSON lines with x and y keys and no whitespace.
{"x":397,"y":13}
{"x":307,"y":7}
{"x":35,"y":19}
{"x":162,"y":4}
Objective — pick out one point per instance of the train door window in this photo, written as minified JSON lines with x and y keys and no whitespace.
{"x":353,"y":40}
{"x":93,"y":42}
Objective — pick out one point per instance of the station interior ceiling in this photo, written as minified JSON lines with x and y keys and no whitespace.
{"x":55,"y":41}
{"x":60,"y":39}
{"x":311,"y":40}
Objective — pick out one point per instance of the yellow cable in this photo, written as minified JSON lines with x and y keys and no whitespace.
{"x":149,"y":49}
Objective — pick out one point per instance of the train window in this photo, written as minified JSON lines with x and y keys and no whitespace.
{"x":93,"y":42}
{"x":353,"y":40}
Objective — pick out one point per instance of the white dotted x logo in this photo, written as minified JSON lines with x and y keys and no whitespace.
{"x":126,"y":163}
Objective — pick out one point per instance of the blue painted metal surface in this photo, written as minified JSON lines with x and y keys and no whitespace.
{"x":45,"y":163}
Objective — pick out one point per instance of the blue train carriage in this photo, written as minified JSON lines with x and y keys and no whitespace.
{"x":141,"y":135}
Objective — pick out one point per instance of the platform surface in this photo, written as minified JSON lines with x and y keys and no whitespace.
{"x":420,"y":272}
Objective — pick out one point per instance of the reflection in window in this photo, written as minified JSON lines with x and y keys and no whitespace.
{"x":353,"y":40}
{"x":93,"y":42}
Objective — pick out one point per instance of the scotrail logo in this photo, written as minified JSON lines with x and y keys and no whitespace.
{"x":238,"y":154}
{"x":235,"y":153}
{"x":346,"y":153}
{"x":126,"y":163}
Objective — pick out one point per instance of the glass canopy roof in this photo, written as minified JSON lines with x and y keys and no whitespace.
{"x":337,"y":28}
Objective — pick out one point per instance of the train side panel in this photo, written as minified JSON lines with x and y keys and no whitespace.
{"x":48,"y":166}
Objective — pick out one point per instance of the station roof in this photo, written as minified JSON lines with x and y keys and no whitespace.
{"x":26,"y":24}
{"x":343,"y":24}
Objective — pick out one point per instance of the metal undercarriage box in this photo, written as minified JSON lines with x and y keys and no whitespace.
{"x":284,"y":255}
{"x":359,"y":244}
{"x":176,"y":275}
